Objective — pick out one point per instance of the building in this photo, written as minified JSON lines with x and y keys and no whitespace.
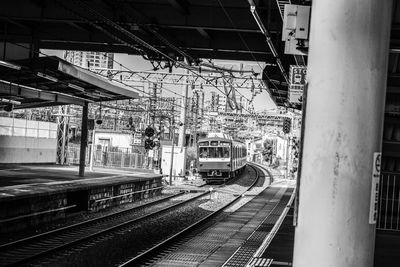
{"x":88,"y":59}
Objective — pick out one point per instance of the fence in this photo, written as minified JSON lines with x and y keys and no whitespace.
{"x":108,"y":159}
{"x":389,"y":202}
{"x":27,"y":128}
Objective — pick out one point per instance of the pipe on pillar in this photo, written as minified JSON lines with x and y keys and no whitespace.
{"x":347,"y":69}
{"x":84,"y":139}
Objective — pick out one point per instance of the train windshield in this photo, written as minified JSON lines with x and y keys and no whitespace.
{"x":214,"y":152}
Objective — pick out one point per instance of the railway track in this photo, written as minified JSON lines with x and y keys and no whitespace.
{"x":159,"y":250}
{"x":232,"y":241}
{"x":64,"y":244}
{"x":31,"y":248}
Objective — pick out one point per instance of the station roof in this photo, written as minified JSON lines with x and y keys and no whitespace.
{"x":49,"y":81}
{"x":207,"y":29}
{"x":155,"y":29}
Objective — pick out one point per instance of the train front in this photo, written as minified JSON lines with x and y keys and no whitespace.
{"x":214,"y":159}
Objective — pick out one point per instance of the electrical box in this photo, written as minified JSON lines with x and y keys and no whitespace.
{"x":302,"y":22}
{"x":296,"y":22}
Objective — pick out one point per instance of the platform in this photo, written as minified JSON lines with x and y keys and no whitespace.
{"x":280,"y":250}
{"x":30,"y":195}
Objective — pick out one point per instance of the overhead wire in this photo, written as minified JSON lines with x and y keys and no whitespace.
{"x":179,"y":64}
{"x":137,"y":39}
{"x":246,"y":45}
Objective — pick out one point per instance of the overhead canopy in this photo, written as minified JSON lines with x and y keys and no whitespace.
{"x":47,"y":81}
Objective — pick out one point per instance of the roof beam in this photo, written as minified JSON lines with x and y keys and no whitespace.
{"x":17,"y":90}
{"x":181,"y":5}
{"x":91,"y":78}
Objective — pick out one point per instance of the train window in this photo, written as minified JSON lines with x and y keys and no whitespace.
{"x":214,"y":143}
{"x":222,"y":143}
{"x":225,"y":152}
{"x":203,"y":143}
{"x":203,"y":152}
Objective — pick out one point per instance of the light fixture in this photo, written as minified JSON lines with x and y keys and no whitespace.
{"x":48,"y":77}
{"x":101,"y":94}
{"x":76,"y":87}
{"x":258,"y":20}
{"x":4,"y":100}
{"x":9,"y":65}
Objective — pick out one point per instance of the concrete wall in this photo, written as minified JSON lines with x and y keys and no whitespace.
{"x":27,"y":141}
{"x":116,"y":139}
{"x":21,"y":149}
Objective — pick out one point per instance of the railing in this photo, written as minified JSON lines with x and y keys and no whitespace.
{"x":108,"y":159}
{"x":74,"y":153}
{"x":389,"y":202}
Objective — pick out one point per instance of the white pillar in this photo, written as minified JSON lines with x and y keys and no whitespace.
{"x":182,"y":128}
{"x":347,"y":72}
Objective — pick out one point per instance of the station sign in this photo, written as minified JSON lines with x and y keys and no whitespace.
{"x":376,"y":173}
{"x":297,"y":82}
{"x":297,"y":75}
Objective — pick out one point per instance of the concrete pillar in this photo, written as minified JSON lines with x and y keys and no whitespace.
{"x":84,"y":139}
{"x":347,"y":72}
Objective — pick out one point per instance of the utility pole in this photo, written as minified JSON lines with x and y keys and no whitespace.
{"x":84,"y":135}
{"x":93,"y":148}
{"x":173,"y":141}
{"x":196,"y":112}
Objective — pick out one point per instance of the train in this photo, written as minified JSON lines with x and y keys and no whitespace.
{"x":220,"y":158}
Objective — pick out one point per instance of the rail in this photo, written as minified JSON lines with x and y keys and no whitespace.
{"x":129,"y":194}
{"x":36,"y":214}
{"x":135,"y":260}
{"x":74,"y":234}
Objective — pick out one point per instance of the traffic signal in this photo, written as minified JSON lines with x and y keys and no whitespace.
{"x":286,"y":125}
{"x":149,"y":132}
{"x":148,"y":144}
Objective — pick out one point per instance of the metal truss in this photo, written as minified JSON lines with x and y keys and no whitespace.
{"x":62,"y":135}
{"x":202,"y":80}
{"x":258,"y":116}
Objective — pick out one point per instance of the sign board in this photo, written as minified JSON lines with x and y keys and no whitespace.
{"x":376,"y":173}
{"x":137,"y":139}
{"x":295,"y":94}
{"x":297,"y":75}
{"x":292,"y":47}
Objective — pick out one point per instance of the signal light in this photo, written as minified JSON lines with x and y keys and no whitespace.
{"x":148,"y":144}
{"x":286,"y":125}
{"x":149,"y":132}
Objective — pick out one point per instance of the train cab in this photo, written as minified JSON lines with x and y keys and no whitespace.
{"x":220,"y":158}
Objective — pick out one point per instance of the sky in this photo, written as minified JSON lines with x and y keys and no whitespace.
{"x":262,"y":101}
